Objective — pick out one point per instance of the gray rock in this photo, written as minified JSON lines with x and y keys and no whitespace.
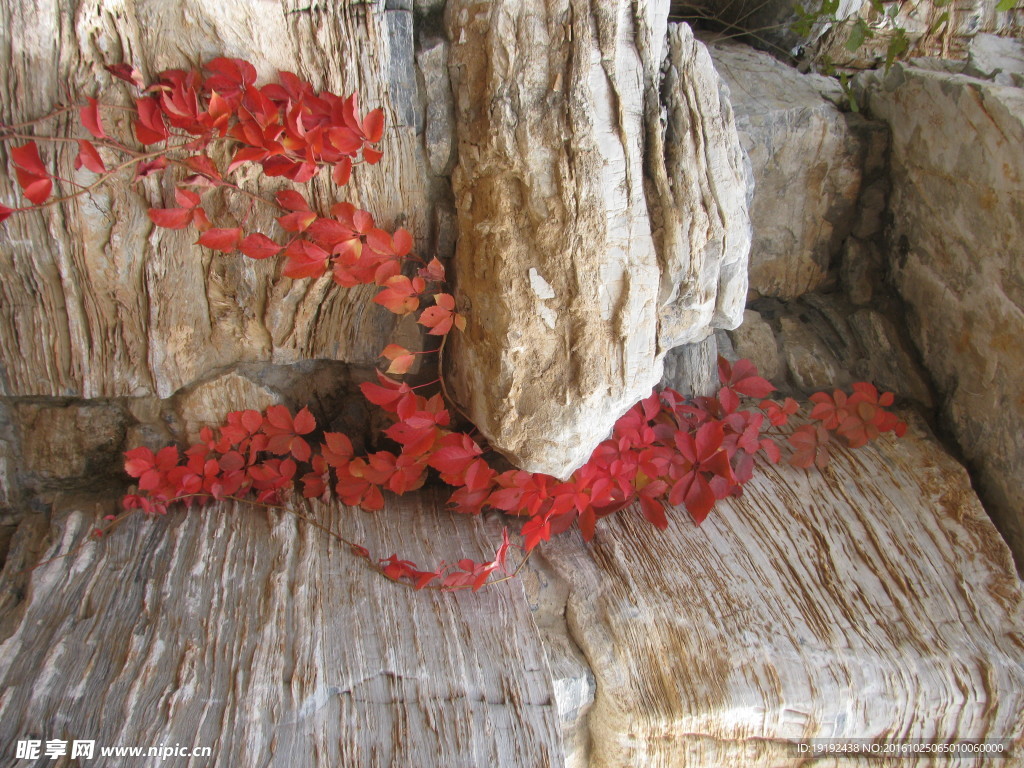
{"x":807,"y":159}
{"x":1000,"y":59}
{"x":439,"y":121}
{"x":755,"y":341}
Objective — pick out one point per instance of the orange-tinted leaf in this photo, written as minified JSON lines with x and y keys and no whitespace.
{"x":400,"y":357}
{"x":223,"y":240}
{"x":257,"y":246}
{"x":170,"y":218}
{"x":298,"y":221}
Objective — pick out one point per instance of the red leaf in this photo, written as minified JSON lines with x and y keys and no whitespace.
{"x":5,"y":212}
{"x":27,"y":158}
{"x":292,"y":201}
{"x":90,"y":117}
{"x":372,"y":156}
{"x":247,"y":155}
{"x":342,"y":171}
{"x":127,"y":73}
{"x":305,"y":259}
{"x":35,"y":188}
{"x":654,"y":511}
{"x":373,"y":126}
{"x":89,"y":157}
{"x":223,"y":240}
{"x":170,"y":218}
{"x":304,"y":422}
{"x":203,"y":165}
{"x":257,"y":246}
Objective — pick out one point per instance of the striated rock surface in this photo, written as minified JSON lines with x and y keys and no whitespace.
{"x":264,"y":640}
{"x":957,"y":260}
{"x":94,"y":301}
{"x":872,"y":600}
{"x":808,"y":160}
{"x":575,"y":276}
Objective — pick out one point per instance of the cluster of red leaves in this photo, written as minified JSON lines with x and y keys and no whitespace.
{"x":666,"y":451}
{"x":855,"y":419}
{"x":291,"y":131}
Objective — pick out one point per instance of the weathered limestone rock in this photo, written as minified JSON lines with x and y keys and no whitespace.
{"x":61,"y":441}
{"x":871,"y":600}
{"x":1000,"y":59}
{"x":574,"y":277}
{"x":98,"y":303}
{"x":807,"y":159}
{"x":958,"y":260}
{"x":822,"y":342}
{"x":260,"y":637}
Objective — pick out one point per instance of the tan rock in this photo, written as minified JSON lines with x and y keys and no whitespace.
{"x":571,"y":298}
{"x":871,"y":600}
{"x":99,"y":303}
{"x":957,"y":209}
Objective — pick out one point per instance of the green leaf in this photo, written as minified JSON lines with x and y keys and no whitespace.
{"x":858,"y":34}
{"x":898,"y":46}
{"x":1005,"y":5}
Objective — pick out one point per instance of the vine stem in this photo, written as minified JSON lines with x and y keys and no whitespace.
{"x":100,"y":181}
{"x":99,"y":533}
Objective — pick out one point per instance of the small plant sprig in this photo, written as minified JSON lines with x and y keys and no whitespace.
{"x":666,"y":451}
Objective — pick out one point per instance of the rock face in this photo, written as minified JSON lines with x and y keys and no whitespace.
{"x":808,"y":161}
{"x":574,"y":274}
{"x":92,"y":294}
{"x":871,"y":600}
{"x":197,"y":619}
{"x":957,"y":261}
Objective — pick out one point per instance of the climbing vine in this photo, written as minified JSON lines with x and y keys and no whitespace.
{"x":667,"y":451}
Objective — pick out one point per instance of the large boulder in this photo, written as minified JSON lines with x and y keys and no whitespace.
{"x":99,"y":303}
{"x":957,"y":259}
{"x":592,"y":237}
{"x":874,"y":600}
{"x":809,"y":160}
